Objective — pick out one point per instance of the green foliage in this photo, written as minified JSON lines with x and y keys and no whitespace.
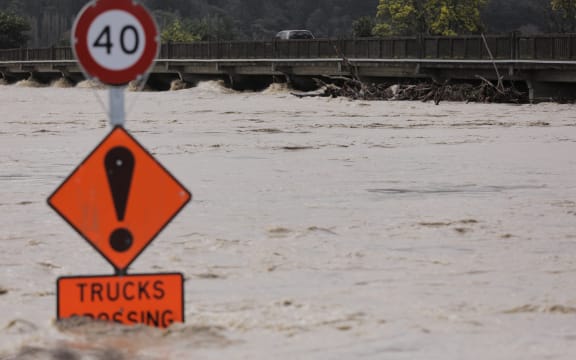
{"x":211,"y":28}
{"x":453,"y":17}
{"x":400,"y":17}
{"x":363,"y":27}
{"x":434,"y":17}
{"x":208,"y":28}
{"x":566,"y":6}
{"x":566,"y":11}
{"x":209,"y":19}
{"x":177,"y":32}
{"x":261,"y":19}
{"x":12,"y":30}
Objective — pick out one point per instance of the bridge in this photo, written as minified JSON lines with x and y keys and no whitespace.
{"x":545,"y":65}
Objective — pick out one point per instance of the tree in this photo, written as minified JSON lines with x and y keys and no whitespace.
{"x":362,"y":27}
{"x":12,"y":30}
{"x":176,"y":31}
{"x":433,"y":17}
{"x":566,"y":9}
{"x":208,"y":28}
{"x":453,"y":17}
{"x":401,"y":17}
{"x":211,"y":28}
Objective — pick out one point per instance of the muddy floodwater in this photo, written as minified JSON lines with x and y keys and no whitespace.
{"x":320,"y":228}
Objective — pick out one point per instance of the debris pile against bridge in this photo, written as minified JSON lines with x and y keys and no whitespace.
{"x":483,"y":91}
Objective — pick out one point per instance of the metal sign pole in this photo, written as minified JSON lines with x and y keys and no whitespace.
{"x":117,"y":106}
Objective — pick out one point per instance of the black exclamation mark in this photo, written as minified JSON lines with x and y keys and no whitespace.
{"x":119,"y":165}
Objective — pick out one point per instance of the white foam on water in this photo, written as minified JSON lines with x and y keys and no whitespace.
{"x":211,"y":88}
{"x":176,"y":85}
{"x":90,"y":84}
{"x":135,"y":86}
{"x":277,"y":88}
{"x":62,"y":83}
{"x":30,"y":84}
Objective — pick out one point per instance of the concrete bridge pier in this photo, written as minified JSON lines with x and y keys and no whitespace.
{"x":45,"y":77}
{"x":12,"y":78}
{"x":249,"y":82}
{"x":302,"y":83}
{"x":547,"y":90}
{"x":163,"y":81}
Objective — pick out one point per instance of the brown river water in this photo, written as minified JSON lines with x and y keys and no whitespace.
{"x":320,"y":228}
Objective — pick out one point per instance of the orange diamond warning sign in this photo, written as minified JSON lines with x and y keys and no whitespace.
{"x":154,"y":300}
{"x":119,"y":198}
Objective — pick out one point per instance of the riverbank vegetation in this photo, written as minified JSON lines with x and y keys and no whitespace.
{"x":50,"y":21}
{"x":13,"y":30}
{"x":459,"y":17}
{"x":432,"y":17}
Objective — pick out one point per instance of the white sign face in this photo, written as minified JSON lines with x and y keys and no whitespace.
{"x":116,"y":40}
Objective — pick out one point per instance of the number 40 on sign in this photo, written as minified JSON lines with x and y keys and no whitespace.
{"x":115,"y":41}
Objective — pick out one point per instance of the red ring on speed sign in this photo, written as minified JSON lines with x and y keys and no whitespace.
{"x":124,"y":72}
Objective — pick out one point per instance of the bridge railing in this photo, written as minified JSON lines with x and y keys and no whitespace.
{"x":53,"y":53}
{"x":559,"y":47}
{"x":472,"y":47}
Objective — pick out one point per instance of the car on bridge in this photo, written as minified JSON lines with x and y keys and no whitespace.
{"x":294,"y":35}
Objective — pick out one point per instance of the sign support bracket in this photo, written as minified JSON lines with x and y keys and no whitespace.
{"x":117,"y":111}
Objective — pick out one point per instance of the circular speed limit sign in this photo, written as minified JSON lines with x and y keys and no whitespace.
{"x":115,"y":41}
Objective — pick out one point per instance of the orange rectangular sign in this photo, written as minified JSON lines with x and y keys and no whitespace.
{"x":154,"y":300}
